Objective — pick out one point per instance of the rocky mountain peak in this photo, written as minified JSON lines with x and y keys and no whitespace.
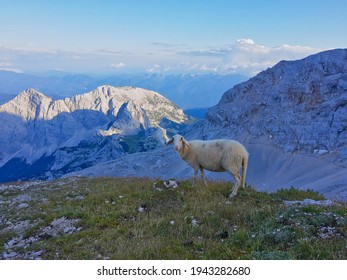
{"x":31,"y":97}
{"x":301,"y":106}
{"x":28,"y":105}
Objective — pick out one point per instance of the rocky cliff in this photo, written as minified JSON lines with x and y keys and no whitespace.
{"x":300,"y":106}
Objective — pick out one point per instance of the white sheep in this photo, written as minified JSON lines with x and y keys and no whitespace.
{"x":214,"y":155}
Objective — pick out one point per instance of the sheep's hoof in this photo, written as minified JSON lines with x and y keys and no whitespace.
{"x":232,"y":195}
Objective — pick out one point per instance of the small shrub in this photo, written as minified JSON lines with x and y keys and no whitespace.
{"x":295,"y":194}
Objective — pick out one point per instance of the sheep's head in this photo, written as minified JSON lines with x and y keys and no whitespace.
{"x":180,"y":144}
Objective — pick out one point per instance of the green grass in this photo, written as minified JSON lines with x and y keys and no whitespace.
{"x":295,"y":194}
{"x":252,"y":225}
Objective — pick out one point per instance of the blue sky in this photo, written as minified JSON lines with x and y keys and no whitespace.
{"x":219,"y":36}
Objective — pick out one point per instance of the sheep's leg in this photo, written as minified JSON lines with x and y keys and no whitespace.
{"x":203,"y":176}
{"x":195,"y":175}
{"x":238,"y":179}
{"x":244,"y":171}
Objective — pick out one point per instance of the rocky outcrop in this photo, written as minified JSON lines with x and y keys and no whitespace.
{"x":300,"y":106}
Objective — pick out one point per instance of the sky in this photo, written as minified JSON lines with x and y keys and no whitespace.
{"x":163,"y":36}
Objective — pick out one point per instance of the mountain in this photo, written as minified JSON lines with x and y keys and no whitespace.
{"x":41,"y":137}
{"x":292,"y":118}
{"x":300,"y":105}
{"x":187,"y":91}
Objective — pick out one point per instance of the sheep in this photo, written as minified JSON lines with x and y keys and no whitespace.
{"x":214,"y":155}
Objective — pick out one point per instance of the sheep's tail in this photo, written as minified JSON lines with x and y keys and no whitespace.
{"x":244,"y":170}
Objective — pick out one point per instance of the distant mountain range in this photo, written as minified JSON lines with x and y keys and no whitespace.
{"x":44,"y":138}
{"x":187,"y":91}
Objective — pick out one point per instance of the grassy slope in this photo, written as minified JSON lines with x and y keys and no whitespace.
{"x":253,"y":225}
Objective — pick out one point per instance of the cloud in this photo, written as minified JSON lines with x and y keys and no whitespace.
{"x":167,"y":46}
{"x":245,"y":56}
{"x":118,"y":65}
{"x":6,"y":66}
{"x":113,"y":52}
{"x":207,"y":68}
{"x":34,"y":59}
{"x":157,"y":68}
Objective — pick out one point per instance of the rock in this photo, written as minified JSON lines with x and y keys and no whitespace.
{"x":11,"y":243}
{"x":171,"y":184}
{"x":9,"y":255}
{"x":21,"y":198}
{"x":23,"y":205}
{"x":19,"y":227}
{"x":192,"y":220}
{"x":142,"y":208}
{"x":69,"y":230}
{"x":320,"y":152}
{"x":37,"y":254}
{"x":168,"y":184}
{"x":327,"y":232}
{"x":57,"y":227}
{"x":187,"y":242}
{"x":309,"y":201}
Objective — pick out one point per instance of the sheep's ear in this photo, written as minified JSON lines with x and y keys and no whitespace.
{"x":169,"y":142}
{"x":185,"y":142}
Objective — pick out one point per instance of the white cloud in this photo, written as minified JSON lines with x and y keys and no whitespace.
{"x":247,"y":57}
{"x":156,"y":68}
{"x":7,"y":66}
{"x":207,"y":68}
{"x":118,"y":65}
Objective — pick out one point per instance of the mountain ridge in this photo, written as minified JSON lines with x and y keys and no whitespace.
{"x":313,"y":94}
{"x":41,"y":129}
